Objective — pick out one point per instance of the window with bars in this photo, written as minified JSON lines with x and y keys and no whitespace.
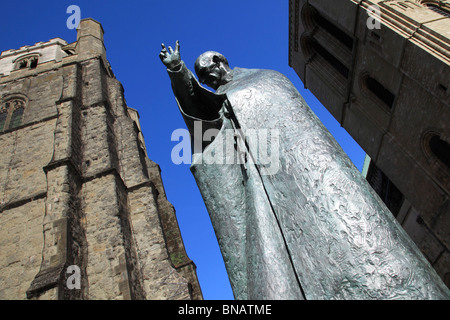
{"x":436,"y":8}
{"x":11,"y":114}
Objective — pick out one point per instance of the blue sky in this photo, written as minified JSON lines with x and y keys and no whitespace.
{"x":250,"y":33}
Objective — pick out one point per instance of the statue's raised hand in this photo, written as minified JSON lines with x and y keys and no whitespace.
{"x":171,"y":58}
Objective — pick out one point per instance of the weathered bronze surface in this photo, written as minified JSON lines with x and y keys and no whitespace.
{"x":304,"y":225}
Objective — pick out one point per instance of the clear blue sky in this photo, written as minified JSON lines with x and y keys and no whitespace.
{"x":250,"y":33}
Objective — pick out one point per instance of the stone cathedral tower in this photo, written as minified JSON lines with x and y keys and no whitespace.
{"x":78,"y":194}
{"x":382,"y":69}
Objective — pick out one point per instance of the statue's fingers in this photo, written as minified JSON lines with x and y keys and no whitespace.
{"x":170,"y":50}
{"x":177,"y":46}
{"x":163,"y":55}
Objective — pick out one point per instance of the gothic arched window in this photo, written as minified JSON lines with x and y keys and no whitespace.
{"x":11,"y":114}
{"x":28,"y":62}
{"x":440,"y":149}
{"x":437,"y":149}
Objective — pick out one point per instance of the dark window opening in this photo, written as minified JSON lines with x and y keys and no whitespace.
{"x":380,"y":91}
{"x":3,"y":117}
{"x":33,"y":63}
{"x":420,"y":221}
{"x":439,"y":10}
{"x":375,"y":35}
{"x":11,"y":114}
{"x":16,"y":118}
{"x":190,"y":289}
{"x":28,"y":62}
{"x":383,"y":186}
{"x":23,"y":64}
{"x":340,"y":35}
{"x":142,"y":158}
{"x":332,"y":60}
{"x":442,"y":87}
{"x":441,"y":149}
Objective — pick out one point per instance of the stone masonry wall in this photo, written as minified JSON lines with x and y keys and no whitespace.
{"x":23,"y":185}
{"x":21,"y":248}
{"x":77,"y":189}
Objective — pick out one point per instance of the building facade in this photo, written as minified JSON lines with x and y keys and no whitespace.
{"x":382,"y":69}
{"x":83,"y":212}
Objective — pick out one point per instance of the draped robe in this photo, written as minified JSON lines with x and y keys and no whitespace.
{"x":309,"y":226}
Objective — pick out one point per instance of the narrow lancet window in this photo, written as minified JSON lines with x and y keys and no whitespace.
{"x":380,"y":91}
{"x":16,"y":118}
{"x":440,"y":149}
{"x":11,"y":114}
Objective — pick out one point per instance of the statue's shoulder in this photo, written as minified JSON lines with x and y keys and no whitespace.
{"x":261,"y":74}
{"x":259,"y":77}
{"x":246,"y":71}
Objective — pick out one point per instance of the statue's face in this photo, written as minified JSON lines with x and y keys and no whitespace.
{"x":213,"y":75}
{"x":212,"y":69}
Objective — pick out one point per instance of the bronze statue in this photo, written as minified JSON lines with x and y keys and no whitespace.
{"x":304,"y":225}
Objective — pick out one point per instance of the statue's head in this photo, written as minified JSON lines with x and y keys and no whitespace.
{"x":212,"y":69}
